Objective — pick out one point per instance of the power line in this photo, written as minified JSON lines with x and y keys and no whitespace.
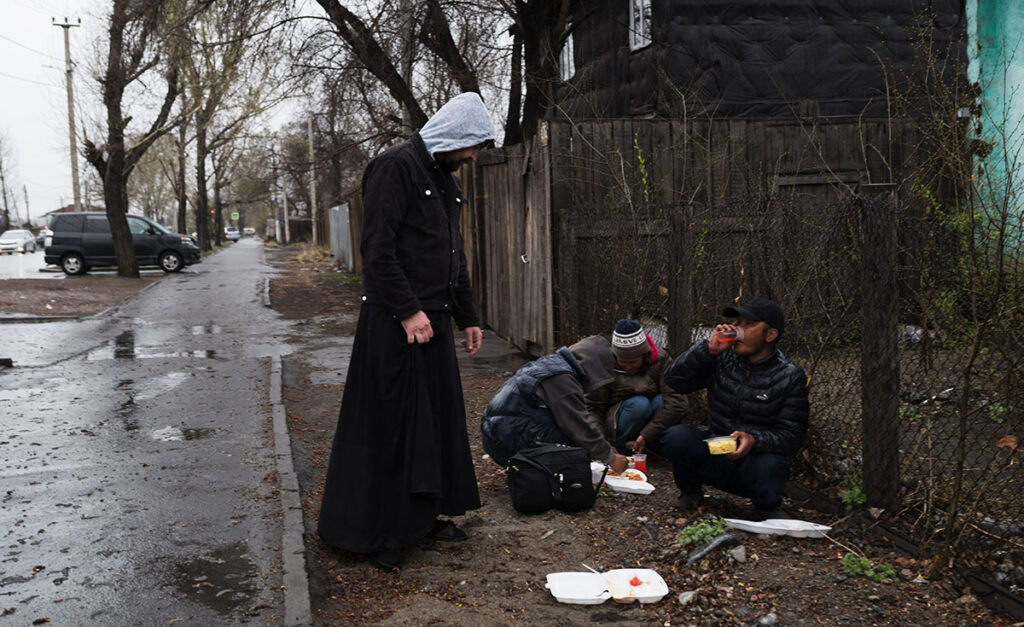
{"x":27,"y":80}
{"x":21,"y":45}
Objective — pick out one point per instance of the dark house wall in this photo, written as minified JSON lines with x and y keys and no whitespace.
{"x":753,"y":58}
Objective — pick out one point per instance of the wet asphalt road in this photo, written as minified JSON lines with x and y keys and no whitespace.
{"x":25,"y":266}
{"x":136,"y":460}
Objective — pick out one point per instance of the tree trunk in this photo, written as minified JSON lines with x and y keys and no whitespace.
{"x":202,"y":200}
{"x":115,"y":195}
{"x":218,"y":207}
{"x":180,"y":187}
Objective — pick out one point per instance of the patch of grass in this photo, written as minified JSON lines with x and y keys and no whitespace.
{"x":344,"y":277}
{"x":862,"y":567}
{"x":701,"y":532}
{"x":309,"y":253}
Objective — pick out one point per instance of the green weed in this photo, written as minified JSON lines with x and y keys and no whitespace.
{"x":700,"y":532}
{"x":862,"y":567}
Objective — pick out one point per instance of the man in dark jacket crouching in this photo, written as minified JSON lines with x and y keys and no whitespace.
{"x":755,"y":395}
{"x":544,"y":403}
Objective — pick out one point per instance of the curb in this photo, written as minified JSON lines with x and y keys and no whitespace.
{"x":297,"y":610}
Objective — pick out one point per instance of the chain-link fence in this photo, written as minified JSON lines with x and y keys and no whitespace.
{"x":909,"y":323}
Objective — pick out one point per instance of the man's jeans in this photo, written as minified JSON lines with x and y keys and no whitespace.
{"x":633,"y":415}
{"x":759,"y":477}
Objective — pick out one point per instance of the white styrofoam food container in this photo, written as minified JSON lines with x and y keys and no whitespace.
{"x":621,"y":484}
{"x":581,"y":588}
{"x":780,"y":527}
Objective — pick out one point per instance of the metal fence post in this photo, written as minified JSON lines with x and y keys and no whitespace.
{"x":880,"y":373}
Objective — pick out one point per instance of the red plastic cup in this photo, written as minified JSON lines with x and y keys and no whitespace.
{"x":728,"y":337}
{"x":640,"y":462}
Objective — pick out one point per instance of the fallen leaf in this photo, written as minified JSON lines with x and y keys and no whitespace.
{"x":1008,"y":441}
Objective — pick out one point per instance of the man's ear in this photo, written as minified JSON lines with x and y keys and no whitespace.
{"x":771,"y":335}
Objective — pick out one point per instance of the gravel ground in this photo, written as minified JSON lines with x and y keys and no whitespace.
{"x":497,"y":577}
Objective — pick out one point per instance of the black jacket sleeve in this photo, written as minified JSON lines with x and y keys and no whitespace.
{"x":693,"y":370}
{"x":386,"y":189}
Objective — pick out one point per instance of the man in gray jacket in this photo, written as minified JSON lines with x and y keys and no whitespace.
{"x":544,"y":402}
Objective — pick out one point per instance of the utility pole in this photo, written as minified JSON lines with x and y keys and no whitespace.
{"x":67,"y":26}
{"x":28,"y":214}
{"x":284,"y":196}
{"x":312,"y":178}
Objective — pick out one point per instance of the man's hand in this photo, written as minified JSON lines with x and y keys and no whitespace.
{"x":715,"y":345}
{"x":474,"y":339}
{"x":640,"y":444}
{"x":417,"y":328}
{"x":744,"y":446}
{"x":620,"y":464}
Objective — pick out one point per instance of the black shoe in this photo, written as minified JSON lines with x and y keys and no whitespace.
{"x":773,"y":514}
{"x":446,"y":531}
{"x":388,"y":560}
{"x":689,"y":502}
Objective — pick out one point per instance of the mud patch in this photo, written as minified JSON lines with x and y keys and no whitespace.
{"x":223,"y":580}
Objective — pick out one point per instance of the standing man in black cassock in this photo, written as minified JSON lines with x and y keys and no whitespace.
{"x":401,"y":455}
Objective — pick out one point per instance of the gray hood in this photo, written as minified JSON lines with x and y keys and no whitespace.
{"x":463,"y":122}
{"x":595,"y":356}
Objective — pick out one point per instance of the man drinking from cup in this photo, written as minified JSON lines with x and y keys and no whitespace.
{"x":756,"y":396}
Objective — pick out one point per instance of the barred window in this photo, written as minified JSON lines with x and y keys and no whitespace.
{"x":566,"y":60}
{"x":639,"y":24}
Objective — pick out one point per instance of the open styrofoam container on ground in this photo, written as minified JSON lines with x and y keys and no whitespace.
{"x":780,"y":527}
{"x":582,"y":588}
{"x":621,"y":484}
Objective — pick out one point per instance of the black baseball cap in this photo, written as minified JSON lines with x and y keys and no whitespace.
{"x":759,"y":309}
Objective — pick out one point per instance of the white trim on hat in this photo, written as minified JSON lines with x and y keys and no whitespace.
{"x":628,"y":341}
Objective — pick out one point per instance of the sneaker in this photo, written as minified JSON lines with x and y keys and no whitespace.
{"x":446,"y":531}
{"x":688,"y":502}
{"x":773,"y":514}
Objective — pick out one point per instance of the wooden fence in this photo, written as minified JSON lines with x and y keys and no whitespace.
{"x":664,"y":220}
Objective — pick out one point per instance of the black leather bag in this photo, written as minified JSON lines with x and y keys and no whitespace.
{"x":551,"y":475}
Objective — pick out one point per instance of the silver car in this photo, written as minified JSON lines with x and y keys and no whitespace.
{"x":232,"y":233}
{"x":17,"y":241}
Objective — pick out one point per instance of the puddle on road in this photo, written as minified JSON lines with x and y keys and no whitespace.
{"x":124,"y":346}
{"x":223,"y":580}
{"x":209,"y":329}
{"x":181,"y":434}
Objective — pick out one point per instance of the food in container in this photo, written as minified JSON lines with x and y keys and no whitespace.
{"x":625,"y":585}
{"x":722,"y":445}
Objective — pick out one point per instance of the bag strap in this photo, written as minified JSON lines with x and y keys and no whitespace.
{"x":556,"y":489}
{"x":597,"y":488}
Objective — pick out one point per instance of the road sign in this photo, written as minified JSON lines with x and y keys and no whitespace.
{"x":234,"y":215}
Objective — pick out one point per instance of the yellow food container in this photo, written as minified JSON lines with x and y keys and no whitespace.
{"x":721,"y":445}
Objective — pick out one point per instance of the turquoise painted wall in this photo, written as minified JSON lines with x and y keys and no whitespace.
{"x":996,"y":52}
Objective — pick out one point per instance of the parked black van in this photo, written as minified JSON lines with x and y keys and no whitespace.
{"x":81,"y":241}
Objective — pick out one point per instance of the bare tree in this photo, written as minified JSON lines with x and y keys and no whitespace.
{"x":229,"y":81}
{"x":137,"y":32}
{"x":5,"y":183}
{"x":538,"y":32}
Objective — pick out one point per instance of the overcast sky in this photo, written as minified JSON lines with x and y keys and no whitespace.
{"x":33,"y":109}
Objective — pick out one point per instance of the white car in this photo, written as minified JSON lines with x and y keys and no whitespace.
{"x":232,"y":233}
{"x":17,"y":241}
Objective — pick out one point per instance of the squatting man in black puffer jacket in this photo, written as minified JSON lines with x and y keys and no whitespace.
{"x":755,"y":395}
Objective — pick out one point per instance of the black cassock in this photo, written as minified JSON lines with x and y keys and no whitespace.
{"x":401,"y":453}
